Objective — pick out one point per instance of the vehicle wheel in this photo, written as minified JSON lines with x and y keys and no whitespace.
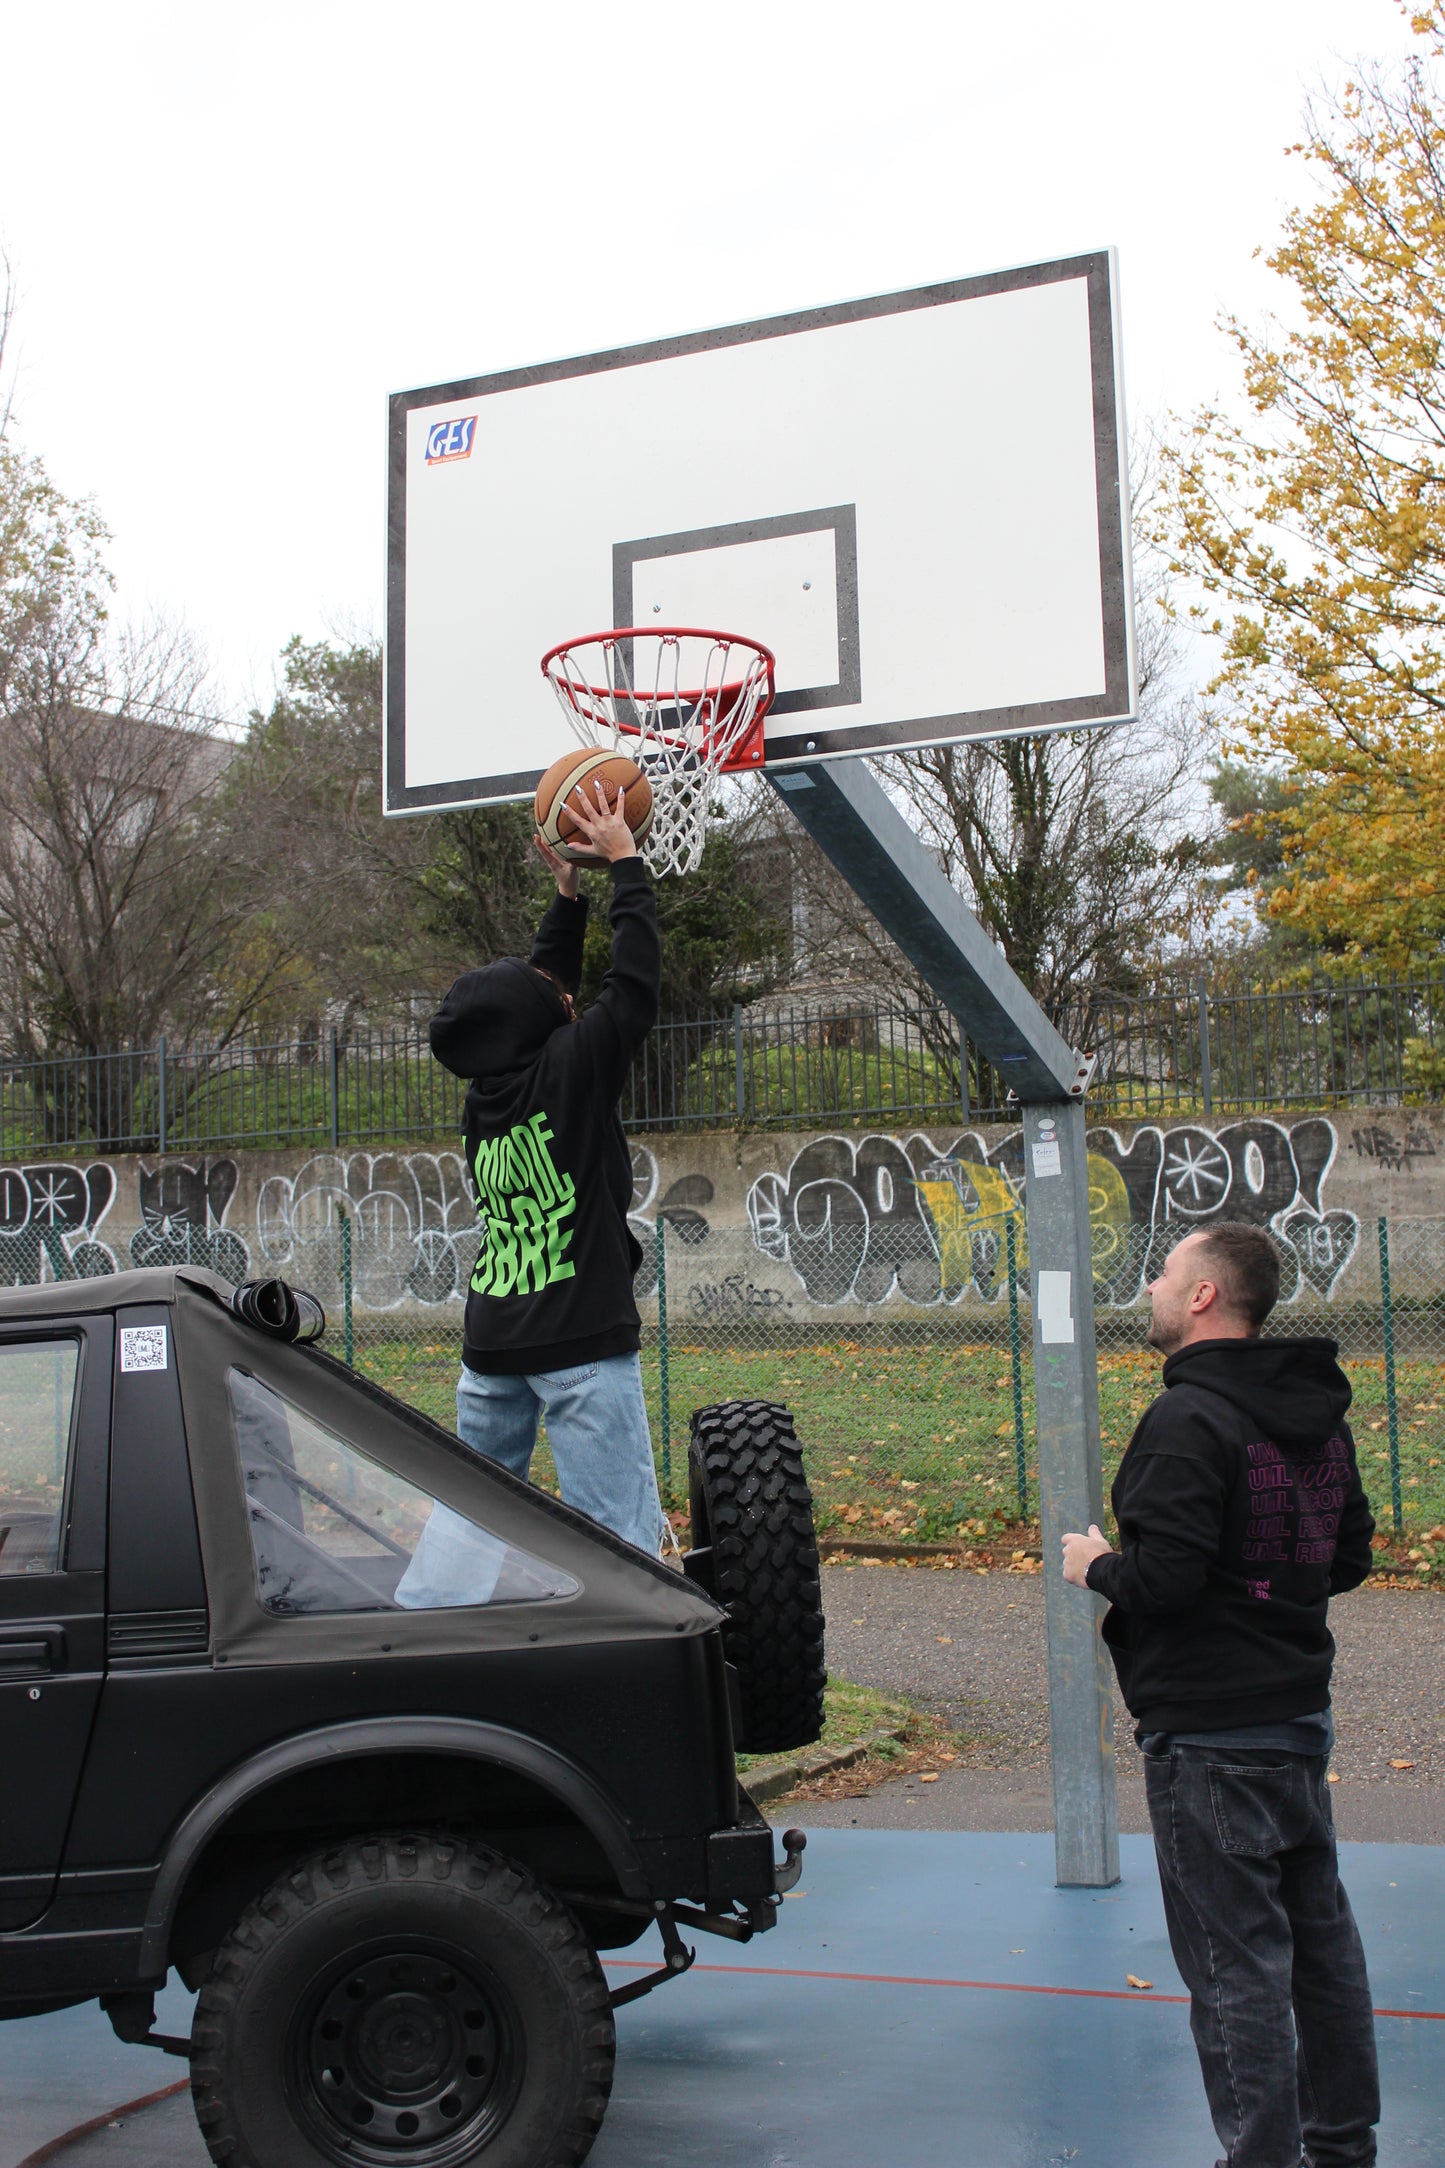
{"x":412,"y":2001}
{"x":752,"y":1507}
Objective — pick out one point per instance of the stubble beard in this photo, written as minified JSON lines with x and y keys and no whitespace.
{"x":1163,"y":1334}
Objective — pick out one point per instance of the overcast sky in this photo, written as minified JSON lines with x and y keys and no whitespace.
{"x":237,"y":228}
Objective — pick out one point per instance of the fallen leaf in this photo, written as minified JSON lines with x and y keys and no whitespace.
{"x":1332,"y":1778}
{"x":1402,"y":1765}
{"x":945,"y":1641}
{"x":1134,"y":1980}
{"x":930,"y":1776}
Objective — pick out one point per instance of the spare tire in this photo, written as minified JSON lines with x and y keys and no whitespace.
{"x":755,"y":1550}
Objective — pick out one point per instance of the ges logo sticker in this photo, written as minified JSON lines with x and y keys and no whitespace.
{"x":450,"y":440}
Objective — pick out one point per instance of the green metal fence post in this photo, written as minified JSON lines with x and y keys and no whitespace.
{"x":1392,"y":1408}
{"x":740,"y":1088}
{"x":660,"y":1235}
{"x":348,"y":1340}
{"x":334,"y":1088}
{"x":1021,"y":1466}
{"x":161,"y":1094}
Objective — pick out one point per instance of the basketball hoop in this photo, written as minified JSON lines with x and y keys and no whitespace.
{"x":688,"y":705}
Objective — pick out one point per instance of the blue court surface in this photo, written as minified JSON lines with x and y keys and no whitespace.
{"x":925,"y":1998}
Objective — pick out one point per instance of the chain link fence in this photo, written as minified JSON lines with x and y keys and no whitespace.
{"x":780,"y":1062}
{"x":918,"y":1419}
{"x":916,"y":1412}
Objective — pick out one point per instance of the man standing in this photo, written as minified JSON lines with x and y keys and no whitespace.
{"x":552,"y":1328}
{"x":1240,"y":1513}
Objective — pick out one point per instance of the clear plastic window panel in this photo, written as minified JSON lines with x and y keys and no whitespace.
{"x":37,"y":1398}
{"x":332,"y":1530}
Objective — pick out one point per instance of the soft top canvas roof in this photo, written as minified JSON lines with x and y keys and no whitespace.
{"x":623,"y":1595}
{"x":111,"y":1291}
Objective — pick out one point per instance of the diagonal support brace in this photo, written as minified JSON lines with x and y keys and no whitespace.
{"x":855,"y":823}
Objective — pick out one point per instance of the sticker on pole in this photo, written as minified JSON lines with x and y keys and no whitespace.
{"x":1046,"y":1156}
{"x":143,"y":1347}
{"x":1055,"y":1300}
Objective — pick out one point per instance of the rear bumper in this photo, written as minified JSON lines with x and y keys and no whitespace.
{"x":741,"y":1866}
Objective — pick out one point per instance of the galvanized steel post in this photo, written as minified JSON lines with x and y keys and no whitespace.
{"x":854,"y":822}
{"x":1071,"y":1489}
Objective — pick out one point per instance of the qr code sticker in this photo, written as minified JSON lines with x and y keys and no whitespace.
{"x":143,"y":1347}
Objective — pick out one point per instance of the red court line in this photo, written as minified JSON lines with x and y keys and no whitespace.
{"x":992,"y":1987}
{"x":53,"y":2146}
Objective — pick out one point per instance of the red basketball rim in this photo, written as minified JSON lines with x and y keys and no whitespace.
{"x":748,"y":751}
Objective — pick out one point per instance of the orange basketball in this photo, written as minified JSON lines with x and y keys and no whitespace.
{"x":585,"y":769}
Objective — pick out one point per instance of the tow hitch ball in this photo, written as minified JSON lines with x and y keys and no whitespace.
{"x":794,"y":1845}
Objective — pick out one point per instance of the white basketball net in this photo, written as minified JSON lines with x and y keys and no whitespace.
{"x":683,"y":704}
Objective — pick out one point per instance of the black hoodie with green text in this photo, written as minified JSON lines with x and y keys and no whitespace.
{"x":1240,"y":1513}
{"x":548,"y":1161}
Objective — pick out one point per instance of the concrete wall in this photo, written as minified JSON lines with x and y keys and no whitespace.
{"x":777,"y":1227}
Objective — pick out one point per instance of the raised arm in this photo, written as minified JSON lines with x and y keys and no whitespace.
{"x":557,"y":949}
{"x":625,"y":1010}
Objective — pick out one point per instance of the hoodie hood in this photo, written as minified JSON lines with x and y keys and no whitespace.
{"x":495,"y":1022}
{"x":1294,"y":1389}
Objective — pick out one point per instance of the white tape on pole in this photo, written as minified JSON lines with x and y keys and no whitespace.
{"x":1055,"y":1300}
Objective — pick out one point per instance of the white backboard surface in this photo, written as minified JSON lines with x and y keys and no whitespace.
{"x":918,"y":501}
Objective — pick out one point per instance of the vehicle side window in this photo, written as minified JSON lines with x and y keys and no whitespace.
{"x":37,"y":1403}
{"x":332,"y":1530}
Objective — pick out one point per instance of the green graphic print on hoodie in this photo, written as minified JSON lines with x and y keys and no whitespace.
{"x":527,"y":1207}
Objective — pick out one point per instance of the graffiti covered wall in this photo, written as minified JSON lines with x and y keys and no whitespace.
{"x":759,"y":1227}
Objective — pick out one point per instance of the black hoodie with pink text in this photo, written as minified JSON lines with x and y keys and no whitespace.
{"x":1240,"y":1513}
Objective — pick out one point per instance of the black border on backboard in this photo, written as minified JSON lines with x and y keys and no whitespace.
{"x":847,"y":688}
{"x":809,"y":740}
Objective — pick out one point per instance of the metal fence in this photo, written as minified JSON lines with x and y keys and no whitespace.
{"x":1192,"y":1049}
{"x":916,"y":1415}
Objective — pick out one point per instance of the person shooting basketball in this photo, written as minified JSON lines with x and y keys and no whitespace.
{"x":552,"y":1328}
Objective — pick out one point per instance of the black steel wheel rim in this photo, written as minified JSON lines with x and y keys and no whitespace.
{"x":406,"y":2054}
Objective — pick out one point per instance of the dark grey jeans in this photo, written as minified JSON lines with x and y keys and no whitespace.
{"x":1263,"y":1933}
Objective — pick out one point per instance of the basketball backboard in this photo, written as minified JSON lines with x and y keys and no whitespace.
{"x":918,"y":501}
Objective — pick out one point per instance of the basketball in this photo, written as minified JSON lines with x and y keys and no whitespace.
{"x":587,"y":767}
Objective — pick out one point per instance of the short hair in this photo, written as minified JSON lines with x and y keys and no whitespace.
{"x":1244,"y":1263}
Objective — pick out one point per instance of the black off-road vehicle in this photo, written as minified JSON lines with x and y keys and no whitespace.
{"x":375,"y":1745}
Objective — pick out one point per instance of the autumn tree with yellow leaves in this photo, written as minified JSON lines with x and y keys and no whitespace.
{"x":1318,"y":526}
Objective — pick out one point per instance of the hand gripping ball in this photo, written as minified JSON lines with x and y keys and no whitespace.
{"x":584,"y":768}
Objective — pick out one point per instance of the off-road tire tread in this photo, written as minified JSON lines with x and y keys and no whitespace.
{"x":751,"y":1500}
{"x":396,"y":1857}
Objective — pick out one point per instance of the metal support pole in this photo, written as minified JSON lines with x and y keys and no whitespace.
{"x":348,"y":1341}
{"x":161,"y":1095}
{"x":962,"y":1073}
{"x":1071,"y":1490}
{"x":665,"y":1411}
{"x":1206,"y":1070}
{"x":740,"y":1087}
{"x":1021,"y":1465}
{"x":1392,"y":1405}
{"x":858,"y":828}
{"x":334,"y":1081}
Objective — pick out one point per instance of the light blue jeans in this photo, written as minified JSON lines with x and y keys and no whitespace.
{"x":596,"y":1426}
